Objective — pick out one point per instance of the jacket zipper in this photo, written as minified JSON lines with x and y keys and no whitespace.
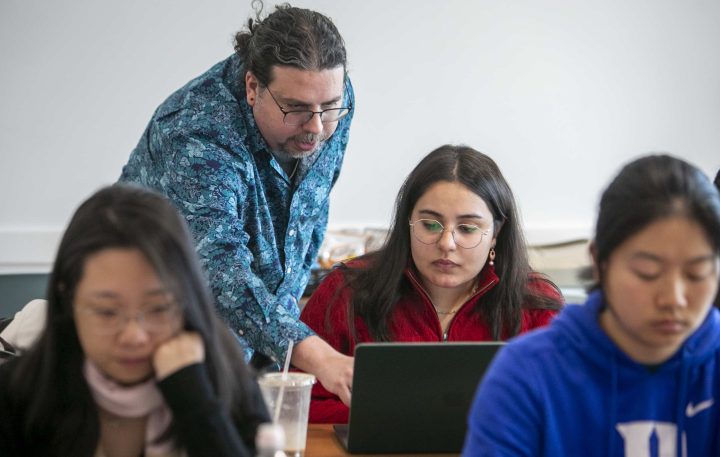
{"x":446,"y":334}
{"x":478,"y":292}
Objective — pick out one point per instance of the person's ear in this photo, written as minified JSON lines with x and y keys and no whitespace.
{"x":497,"y":226}
{"x":596,"y":267}
{"x":252,"y":87}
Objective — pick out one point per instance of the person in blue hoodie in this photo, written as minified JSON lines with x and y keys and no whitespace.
{"x":636,"y":370}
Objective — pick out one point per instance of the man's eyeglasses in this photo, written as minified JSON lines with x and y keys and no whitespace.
{"x":429,"y":231}
{"x":302,"y":117}
{"x":108,"y":321}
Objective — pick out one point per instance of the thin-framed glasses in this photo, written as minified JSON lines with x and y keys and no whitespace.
{"x":107,"y":321}
{"x":429,"y":231}
{"x":302,"y":117}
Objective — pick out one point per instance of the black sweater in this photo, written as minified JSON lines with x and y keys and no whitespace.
{"x":202,"y":426}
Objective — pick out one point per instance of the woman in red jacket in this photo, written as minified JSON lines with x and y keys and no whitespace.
{"x":454,"y":268}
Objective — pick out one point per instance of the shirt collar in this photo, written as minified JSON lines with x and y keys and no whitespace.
{"x":234,"y":79}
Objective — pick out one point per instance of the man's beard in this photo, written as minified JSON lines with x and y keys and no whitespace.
{"x":305,"y":138}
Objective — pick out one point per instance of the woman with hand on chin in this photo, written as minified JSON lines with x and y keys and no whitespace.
{"x":454,"y":268}
{"x":635,"y":371}
{"x":132,"y":360}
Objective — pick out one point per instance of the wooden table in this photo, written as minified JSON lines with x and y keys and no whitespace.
{"x":321,"y":442}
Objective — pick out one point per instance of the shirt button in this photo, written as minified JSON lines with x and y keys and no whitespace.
{"x":289,"y":270}
{"x":291,"y":232}
{"x":240,"y":332}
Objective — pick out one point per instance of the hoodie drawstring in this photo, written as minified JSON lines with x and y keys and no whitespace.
{"x":613,"y":438}
{"x":681,"y":402}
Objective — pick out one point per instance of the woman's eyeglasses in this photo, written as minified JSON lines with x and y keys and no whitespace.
{"x":429,"y":231}
{"x":110,"y":321}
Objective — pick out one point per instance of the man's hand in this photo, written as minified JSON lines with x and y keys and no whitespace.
{"x":332,"y":369}
{"x":184,"y":349}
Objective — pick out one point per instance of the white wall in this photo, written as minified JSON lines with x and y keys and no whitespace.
{"x":560,"y":93}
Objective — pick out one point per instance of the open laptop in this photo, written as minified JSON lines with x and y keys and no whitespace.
{"x":413,"y":397}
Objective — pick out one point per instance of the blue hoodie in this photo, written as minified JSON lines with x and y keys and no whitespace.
{"x":568,"y":390}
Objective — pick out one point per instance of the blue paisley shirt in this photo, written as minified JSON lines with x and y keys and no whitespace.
{"x":257,"y":233}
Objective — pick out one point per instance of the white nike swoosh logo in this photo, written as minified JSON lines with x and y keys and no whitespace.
{"x":694,"y":409}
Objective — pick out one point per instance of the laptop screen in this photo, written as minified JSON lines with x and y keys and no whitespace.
{"x":414,"y":397}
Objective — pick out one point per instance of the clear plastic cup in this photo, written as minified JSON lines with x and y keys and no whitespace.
{"x":294,"y":409}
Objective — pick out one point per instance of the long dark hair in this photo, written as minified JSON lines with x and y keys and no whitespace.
{"x":48,"y":379}
{"x":289,"y":36}
{"x":649,"y":189}
{"x":377,"y":286}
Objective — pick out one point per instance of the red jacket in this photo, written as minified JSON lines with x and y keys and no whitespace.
{"x":413,"y":320}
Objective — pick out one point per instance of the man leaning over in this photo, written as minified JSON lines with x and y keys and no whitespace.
{"x":249,"y":152}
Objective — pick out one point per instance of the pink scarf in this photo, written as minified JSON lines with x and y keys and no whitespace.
{"x":136,"y":401}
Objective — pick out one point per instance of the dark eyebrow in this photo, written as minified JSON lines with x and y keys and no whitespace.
{"x":110,"y":294}
{"x":649,"y":256}
{"x":295,"y":101}
{"x":646,"y":256}
{"x":161,"y":291}
{"x":703,"y":258}
{"x":430,"y":212}
{"x":103,"y":294}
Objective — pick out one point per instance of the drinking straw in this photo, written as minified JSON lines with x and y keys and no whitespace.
{"x":284,"y":376}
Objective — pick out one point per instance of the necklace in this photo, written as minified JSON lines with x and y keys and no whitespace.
{"x":297,"y":161}
{"x":455,"y":309}
{"x":446,"y":313}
